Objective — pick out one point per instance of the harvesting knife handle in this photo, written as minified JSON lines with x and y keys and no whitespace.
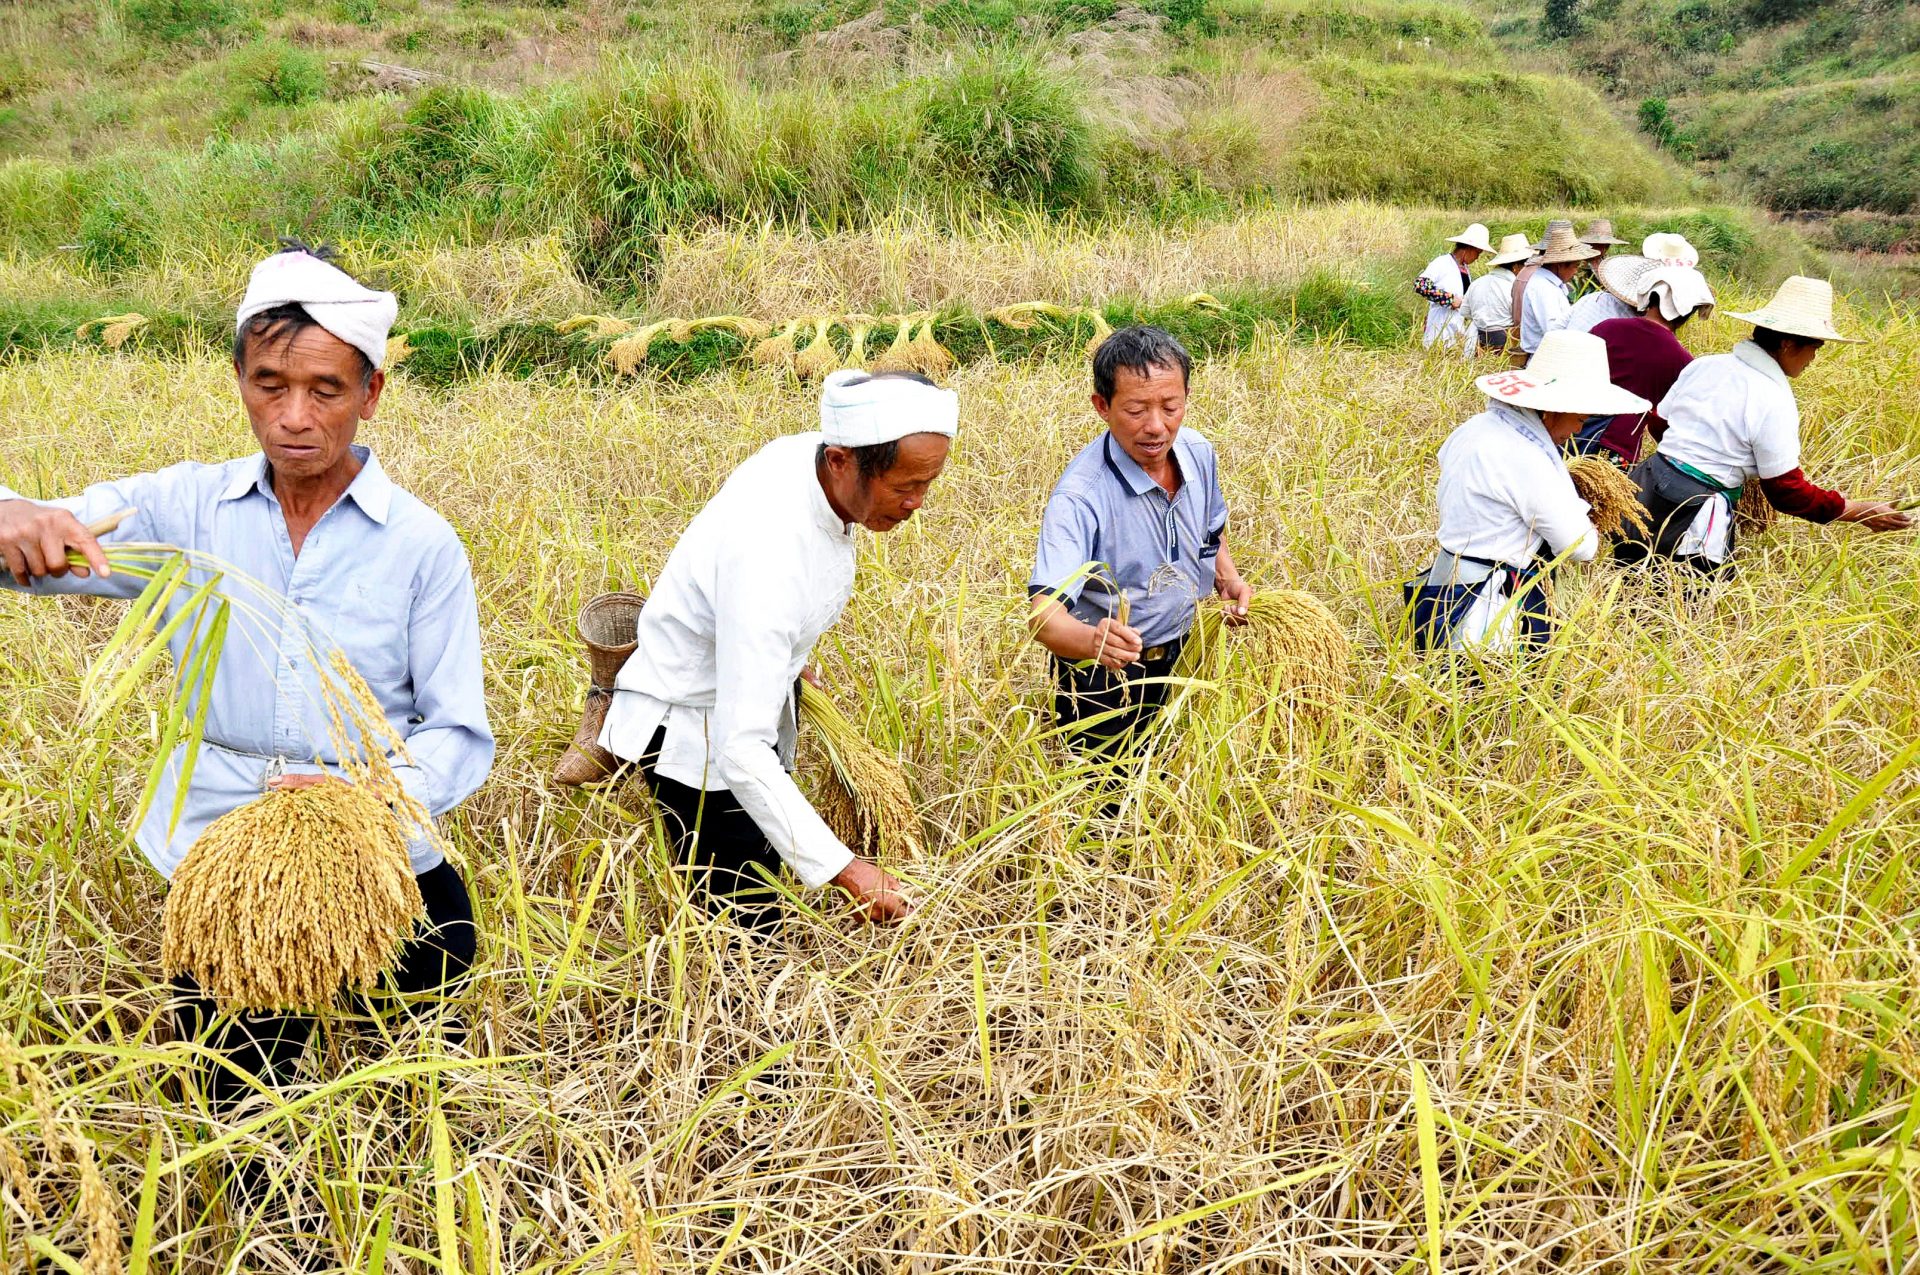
{"x":103,"y":526}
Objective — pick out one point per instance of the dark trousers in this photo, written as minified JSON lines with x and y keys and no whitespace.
{"x":1138,"y":691}
{"x":268,"y":1046}
{"x":730,"y":860}
{"x":1672,"y":500}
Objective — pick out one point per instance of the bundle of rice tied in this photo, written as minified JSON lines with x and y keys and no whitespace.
{"x":777,"y":350}
{"x":114,"y":329}
{"x":903,"y":355}
{"x":1753,"y":512}
{"x":598,"y":327}
{"x":286,"y":901}
{"x":859,"y":328}
{"x":1291,"y":644}
{"x":629,"y":352}
{"x":865,"y":799}
{"x":819,"y":358}
{"x":1614,"y":497}
{"x":935,"y":359}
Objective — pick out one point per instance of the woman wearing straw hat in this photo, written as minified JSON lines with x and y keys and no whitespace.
{"x":1545,"y":303}
{"x":1489,"y":305}
{"x":1731,"y":417}
{"x":1643,"y":349}
{"x":1444,"y":285}
{"x":1599,"y":236}
{"x":1505,"y":495}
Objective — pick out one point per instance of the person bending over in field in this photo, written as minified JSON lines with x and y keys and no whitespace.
{"x":310,"y":516}
{"x":1443,"y":285}
{"x":1505,"y":496}
{"x":1643,"y":350}
{"x":1543,"y":301}
{"x":1731,"y":417}
{"x":706,"y":702}
{"x":1133,"y":536}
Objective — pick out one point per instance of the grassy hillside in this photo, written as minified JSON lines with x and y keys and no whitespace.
{"x":146,"y":135}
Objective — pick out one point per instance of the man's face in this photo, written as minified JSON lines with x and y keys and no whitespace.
{"x":1567,"y":269}
{"x":305,"y":399}
{"x":888,"y":499}
{"x":1145,"y":412}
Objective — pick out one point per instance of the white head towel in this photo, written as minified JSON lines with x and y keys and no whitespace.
{"x":860,"y":410}
{"x":1677,"y":289}
{"x":357,"y":315}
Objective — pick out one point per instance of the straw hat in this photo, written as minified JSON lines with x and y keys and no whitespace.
{"x":1620,"y":275}
{"x":1568,"y":373}
{"x":1802,"y":307}
{"x":1599,"y":231}
{"x":1474,"y":236}
{"x":1664,"y":245}
{"x":1559,"y":245}
{"x":1512,"y":248}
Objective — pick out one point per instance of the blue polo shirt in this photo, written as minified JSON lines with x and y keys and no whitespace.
{"x":1105,"y":510}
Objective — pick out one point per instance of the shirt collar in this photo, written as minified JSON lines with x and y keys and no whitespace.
{"x":1528,"y":422}
{"x":1762,"y":362}
{"x":1136,"y":479}
{"x":371,"y":489}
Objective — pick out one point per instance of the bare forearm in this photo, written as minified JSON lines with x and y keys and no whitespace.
{"x":1054,"y":627}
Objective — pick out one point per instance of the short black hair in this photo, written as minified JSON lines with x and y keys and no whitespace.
{"x":1139,"y":349}
{"x":1773,"y":342}
{"x":875,"y":458}
{"x":285,"y":322}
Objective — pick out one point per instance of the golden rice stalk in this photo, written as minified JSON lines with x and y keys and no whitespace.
{"x":680,"y":331}
{"x":1753,"y":512}
{"x":866,"y":799}
{"x":629,"y":352}
{"x":114,"y":329}
{"x":1614,"y":497}
{"x":777,"y":350}
{"x":859,"y":327}
{"x":819,"y":358}
{"x":1203,"y":301}
{"x":901,"y":355}
{"x":292,"y":897}
{"x":1101,"y":331}
{"x":1291,"y":644}
{"x":603,"y":325}
{"x":747,"y":329}
{"x":1023,"y":315}
{"x":18,"y":1179}
{"x":97,"y":1207}
{"x":398,"y":350}
{"x":934,"y":358}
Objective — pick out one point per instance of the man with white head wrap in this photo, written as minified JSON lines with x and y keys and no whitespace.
{"x":313,"y":519}
{"x":706,"y":703}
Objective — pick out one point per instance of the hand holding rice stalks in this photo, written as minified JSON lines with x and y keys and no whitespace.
{"x":1614,"y":497}
{"x":866,"y":799}
{"x":1291,"y":645}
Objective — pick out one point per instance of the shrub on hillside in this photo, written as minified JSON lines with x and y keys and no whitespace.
{"x":178,"y":21}
{"x":116,"y":231}
{"x":434,"y":148}
{"x":1003,"y":122}
{"x":282,"y":75}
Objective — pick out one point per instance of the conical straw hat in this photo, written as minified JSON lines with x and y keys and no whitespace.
{"x":1516,"y":247}
{"x":1802,"y":307}
{"x":1599,"y":231}
{"x":1474,"y":236}
{"x":1560,"y":245}
{"x":1568,"y":373}
{"x":1620,"y":275}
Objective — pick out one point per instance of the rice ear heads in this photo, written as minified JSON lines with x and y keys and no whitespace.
{"x":934,"y":358}
{"x":629,"y":352}
{"x":819,"y":358}
{"x":1101,"y":331}
{"x":398,"y":350}
{"x":866,"y":799}
{"x":114,"y":329}
{"x":1291,"y":648}
{"x":777,"y":350}
{"x":1614,"y":497}
{"x":898,"y":357}
{"x":1753,"y":513}
{"x":603,"y":325}
{"x":284,"y":902}
{"x":1023,"y":315}
{"x":859,"y":327}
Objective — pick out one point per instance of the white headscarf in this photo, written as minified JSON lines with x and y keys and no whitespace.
{"x":1677,"y":289}
{"x":357,"y":315}
{"x":860,"y":410}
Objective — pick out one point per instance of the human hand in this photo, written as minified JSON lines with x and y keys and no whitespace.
{"x":1877,"y":515}
{"x":1238,"y":594}
{"x":879,"y":897}
{"x":1114,"y":645}
{"x":286,"y":783}
{"x":811,"y":676}
{"x":35,"y":540}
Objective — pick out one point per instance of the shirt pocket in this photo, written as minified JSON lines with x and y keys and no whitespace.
{"x":372,"y":629}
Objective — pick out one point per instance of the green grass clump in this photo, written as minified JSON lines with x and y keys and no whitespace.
{"x":1824,"y":147}
{"x":177,"y":21}
{"x":1358,"y":27}
{"x":1004,"y":122}
{"x":281,"y":75}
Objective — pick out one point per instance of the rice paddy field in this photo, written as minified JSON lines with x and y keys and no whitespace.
{"x":1607,"y":963}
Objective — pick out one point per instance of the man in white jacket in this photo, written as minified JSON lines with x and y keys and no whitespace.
{"x":706,"y":702}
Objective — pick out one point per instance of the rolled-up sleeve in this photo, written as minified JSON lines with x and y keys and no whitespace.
{"x":1557,"y":513}
{"x":451,"y":743}
{"x":152,"y":501}
{"x":1069,"y":533}
{"x":756,"y":627}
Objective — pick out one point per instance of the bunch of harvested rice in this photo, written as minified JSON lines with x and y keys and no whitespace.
{"x":114,"y":329}
{"x":1614,"y":497}
{"x":1753,"y":512}
{"x":935,"y":359}
{"x":865,"y":800}
{"x":777,"y":350}
{"x":819,"y":358}
{"x":629,"y":352}
{"x":398,"y":350}
{"x":859,"y":328}
{"x":603,"y":325}
{"x":1291,"y":645}
{"x":294,"y":896}
{"x":1101,"y":331}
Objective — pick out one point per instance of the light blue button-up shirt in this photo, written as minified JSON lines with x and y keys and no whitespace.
{"x":381,"y":577}
{"x":1108,"y":511}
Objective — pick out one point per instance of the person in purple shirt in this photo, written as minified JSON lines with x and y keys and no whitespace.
{"x":1644,"y":350}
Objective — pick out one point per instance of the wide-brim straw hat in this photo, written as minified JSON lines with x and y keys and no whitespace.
{"x":1568,"y":373}
{"x":1599,"y":231}
{"x":1802,"y":307}
{"x":1515,"y":247}
{"x":1560,"y":245}
{"x":1474,"y":236}
{"x":1620,"y":275}
{"x":1664,"y":245}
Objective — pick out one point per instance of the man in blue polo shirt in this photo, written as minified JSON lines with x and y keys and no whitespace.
{"x":1132,"y":539}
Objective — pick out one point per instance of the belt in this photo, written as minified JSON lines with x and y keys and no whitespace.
{"x":1708,"y":480}
{"x":1165,"y":651}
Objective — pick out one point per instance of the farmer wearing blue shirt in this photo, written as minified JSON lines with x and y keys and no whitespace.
{"x":1137,"y":516}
